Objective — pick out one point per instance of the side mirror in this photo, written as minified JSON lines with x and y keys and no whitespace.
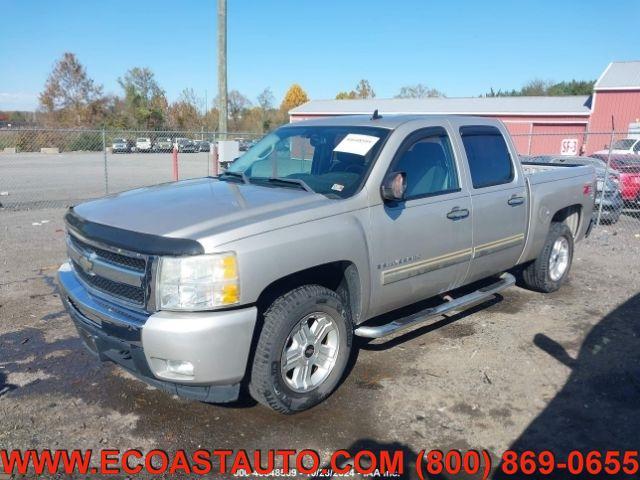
{"x":394,"y":187}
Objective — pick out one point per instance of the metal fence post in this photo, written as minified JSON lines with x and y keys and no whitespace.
{"x":104,"y":157}
{"x":606,"y":172}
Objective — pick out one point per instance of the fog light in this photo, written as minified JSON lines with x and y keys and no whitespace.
{"x":180,"y":367}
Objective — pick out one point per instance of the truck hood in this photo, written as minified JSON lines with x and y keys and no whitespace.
{"x":198,"y":208}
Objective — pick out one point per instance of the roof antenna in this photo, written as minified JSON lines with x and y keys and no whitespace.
{"x":376,"y":115}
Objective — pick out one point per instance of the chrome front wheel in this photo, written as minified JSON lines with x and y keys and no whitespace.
{"x":310,"y":352}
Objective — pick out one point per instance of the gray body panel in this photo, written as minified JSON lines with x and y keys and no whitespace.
{"x":402,"y":254}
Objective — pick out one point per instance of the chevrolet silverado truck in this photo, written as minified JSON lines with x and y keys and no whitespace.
{"x":258,"y":280}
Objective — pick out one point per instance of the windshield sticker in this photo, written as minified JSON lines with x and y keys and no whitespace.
{"x":337,"y":187}
{"x":356,"y":143}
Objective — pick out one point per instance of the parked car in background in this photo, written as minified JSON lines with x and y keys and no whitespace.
{"x":244,"y":145}
{"x":121,"y":145}
{"x":624,"y":146}
{"x":163,"y":144}
{"x":628,"y":167}
{"x":607,"y":190}
{"x":202,"y":145}
{"x":143,"y":144}
{"x":185,"y":145}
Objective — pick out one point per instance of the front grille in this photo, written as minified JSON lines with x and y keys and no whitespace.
{"x":120,"y":290}
{"x":107,"y":281}
{"x":138,"y":264}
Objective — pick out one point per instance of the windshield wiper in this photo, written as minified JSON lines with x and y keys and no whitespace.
{"x":241,"y":175}
{"x":292,"y":181}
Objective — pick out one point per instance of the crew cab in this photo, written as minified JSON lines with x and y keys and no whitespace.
{"x":260,"y":278}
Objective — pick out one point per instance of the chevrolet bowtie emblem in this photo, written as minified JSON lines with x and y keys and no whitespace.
{"x":86,"y":263}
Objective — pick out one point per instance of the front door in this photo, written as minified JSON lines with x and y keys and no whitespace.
{"x":422,"y":245}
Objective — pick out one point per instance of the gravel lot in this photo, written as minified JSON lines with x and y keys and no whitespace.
{"x":559,"y":371}
{"x":67,"y":178}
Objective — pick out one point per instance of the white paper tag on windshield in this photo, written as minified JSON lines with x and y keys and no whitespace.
{"x":356,"y":143}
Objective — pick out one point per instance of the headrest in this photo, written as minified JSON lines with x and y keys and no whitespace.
{"x":432,"y":152}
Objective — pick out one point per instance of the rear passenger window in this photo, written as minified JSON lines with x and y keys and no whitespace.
{"x":429,"y":165}
{"x":489,"y":159}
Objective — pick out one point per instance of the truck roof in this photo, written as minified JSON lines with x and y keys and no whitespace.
{"x":388,"y":121}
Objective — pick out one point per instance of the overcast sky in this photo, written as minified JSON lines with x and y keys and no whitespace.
{"x":462,"y":48}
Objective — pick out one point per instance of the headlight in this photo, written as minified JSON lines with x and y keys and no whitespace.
{"x":201,"y":282}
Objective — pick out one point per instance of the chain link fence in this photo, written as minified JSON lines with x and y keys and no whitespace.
{"x":49,"y":168}
{"x":616,"y":159}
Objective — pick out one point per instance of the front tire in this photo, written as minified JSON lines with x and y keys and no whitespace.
{"x":303,"y":349}
{"x":550,"y":270}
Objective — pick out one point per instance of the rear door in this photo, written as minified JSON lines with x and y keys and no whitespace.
{"x":422,"y":246}
{"x":499,"y":199}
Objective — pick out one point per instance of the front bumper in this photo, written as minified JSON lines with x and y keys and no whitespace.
{"x":216,"y":343}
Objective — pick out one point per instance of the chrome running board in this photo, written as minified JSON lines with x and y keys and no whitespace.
{"x":478,"y":296}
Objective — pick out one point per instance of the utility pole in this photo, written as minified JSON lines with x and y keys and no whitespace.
{"x":222,"y":68}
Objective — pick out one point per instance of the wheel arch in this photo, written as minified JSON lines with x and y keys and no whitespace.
{"x":340,"y":276}
{"x":571,"y":216}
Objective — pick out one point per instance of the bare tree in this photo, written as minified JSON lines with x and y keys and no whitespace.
{"x":237,"y":104}
{"x":184,"y":113}
{"x":266,"y":99}
{"x":265,"y":102}
{"x":419,"y":91}
{"x":364,"y":89}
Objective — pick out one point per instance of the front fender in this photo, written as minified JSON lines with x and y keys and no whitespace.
{"x":270,"y":256}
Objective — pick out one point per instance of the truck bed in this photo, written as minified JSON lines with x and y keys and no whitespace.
{"x":551,"y":188}
{"x":547,"y":172}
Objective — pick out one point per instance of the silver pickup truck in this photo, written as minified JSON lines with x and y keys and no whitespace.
{"x":260,"y":278}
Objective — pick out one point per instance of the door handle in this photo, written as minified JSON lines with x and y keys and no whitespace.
{"x":457,"y":213}
{"x":515,"y":200}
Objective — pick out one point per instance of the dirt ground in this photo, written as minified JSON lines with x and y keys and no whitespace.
{"x":528,"y":370}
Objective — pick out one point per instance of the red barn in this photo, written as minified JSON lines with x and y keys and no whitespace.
{"x":539,"y":125}
{"x":616,"y":95}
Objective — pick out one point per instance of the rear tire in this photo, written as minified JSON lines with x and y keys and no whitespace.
{"x":274,"y":378}
{"x":550,"y":270}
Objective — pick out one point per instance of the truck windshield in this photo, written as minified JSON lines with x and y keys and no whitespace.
{"x":330,"y":160}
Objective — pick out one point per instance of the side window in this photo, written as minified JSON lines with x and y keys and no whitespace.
{"x":430,"y":166}
{"x":636,"y":147}
{"x":489,"y":159}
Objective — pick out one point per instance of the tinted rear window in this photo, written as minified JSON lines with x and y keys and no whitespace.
{"x":489,"y":159}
